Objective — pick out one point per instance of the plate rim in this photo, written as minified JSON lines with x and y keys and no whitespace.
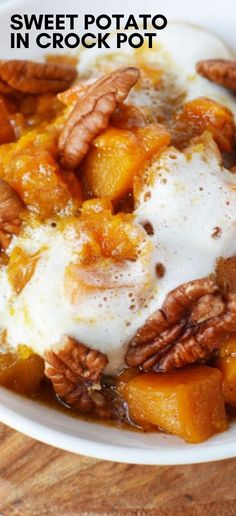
{"x":207,"y":451}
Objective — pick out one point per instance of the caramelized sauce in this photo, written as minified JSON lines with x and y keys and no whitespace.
{"x":23,"y":373}
{"x":46,"y":396}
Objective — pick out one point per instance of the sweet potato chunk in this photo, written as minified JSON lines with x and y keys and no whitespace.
{"x":204,"y":114}
{"x":188,"y":403}
{"x":117,"y":155}
{"x":21,"y":267}
{"x":106,"y":235}
{"x":30,"y":167}
{"x":21,"y":373}
{"x":227,"y":364}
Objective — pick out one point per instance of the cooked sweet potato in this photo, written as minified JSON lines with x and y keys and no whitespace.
{"x":188,"y":403}
{"x":21,"y":373}
{"x":204,"y":114}
{"x":21,"y":267}
{"x":117,"y":155}
{"x":227,"y":364}
{"x":31,"y":168}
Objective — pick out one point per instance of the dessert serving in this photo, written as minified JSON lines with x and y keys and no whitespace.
{"x":117,"y":232}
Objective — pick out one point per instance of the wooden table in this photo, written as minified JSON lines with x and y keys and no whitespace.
{"x":38,"y":480}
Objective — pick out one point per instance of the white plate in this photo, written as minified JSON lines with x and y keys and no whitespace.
{"x":54,"y":427}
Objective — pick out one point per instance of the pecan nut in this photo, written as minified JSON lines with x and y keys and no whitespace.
{"x":75,"y":372}
{"x":193,"y":321}
{"x":35,"y":78}
{"x":220,"y":71}
{"x":177,"y":302}
{"x":202,"y":340}
{"x":92,"y":112}
{"x":226,"y":274}
{"x":11,"y":208}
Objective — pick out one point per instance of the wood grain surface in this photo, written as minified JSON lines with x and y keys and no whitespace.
{"x":38,"y":480}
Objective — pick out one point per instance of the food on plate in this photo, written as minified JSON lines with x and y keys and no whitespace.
{"x":117,"y":234}
{"x":187,"y":403}
{"x":226,"y":362}
{"x":21,"y":371}
{"x":127,"y":150}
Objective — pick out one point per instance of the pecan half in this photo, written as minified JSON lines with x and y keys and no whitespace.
{"x":35,"y":78}
{"x":226,"y":274}
{"x":199,"y":342}
{"x":193,"y":321}
{"x":221,"y":71}
{"x":75,"y":372}
{"x":11,"y":207}
{"x":177,"y":302}
{"x":92,"y":112}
